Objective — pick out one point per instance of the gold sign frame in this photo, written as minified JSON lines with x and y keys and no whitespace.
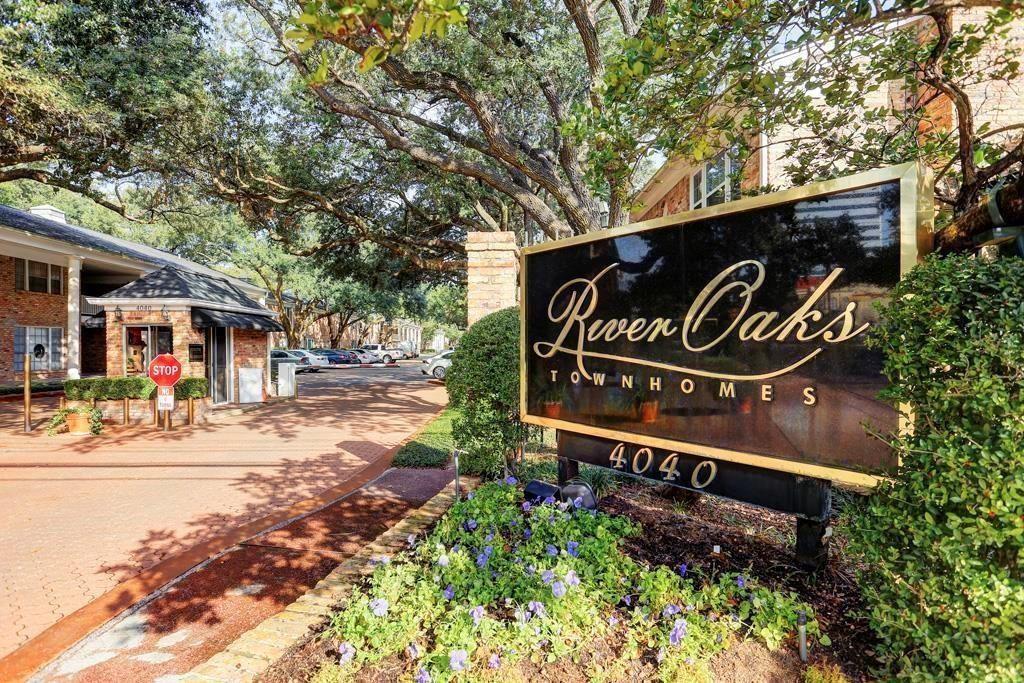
{"x":917,"y":214}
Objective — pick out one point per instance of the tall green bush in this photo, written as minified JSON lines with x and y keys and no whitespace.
{"x":483,"y":382}
{"x":941,"y":541}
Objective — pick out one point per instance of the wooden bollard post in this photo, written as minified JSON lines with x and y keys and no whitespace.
{"x":191,"y":411}
{"x":28,"y":393}
{"x":125,"y":409}
{"x":156,"y":413}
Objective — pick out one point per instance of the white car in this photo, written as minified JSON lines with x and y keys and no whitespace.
{"x":315,"y":362}
{"x":385,"y":353}
{"x":364,"y":356}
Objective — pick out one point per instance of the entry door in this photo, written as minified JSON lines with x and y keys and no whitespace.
{"x":218,"y":359}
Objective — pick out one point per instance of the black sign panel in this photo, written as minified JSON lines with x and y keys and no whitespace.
{"x":790,"y":493}
{"x":736,"y":332}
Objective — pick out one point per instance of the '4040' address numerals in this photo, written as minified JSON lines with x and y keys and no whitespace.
{"x":643,"y":464}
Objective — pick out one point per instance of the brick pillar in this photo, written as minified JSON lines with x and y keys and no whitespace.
{"x":492,"y":272}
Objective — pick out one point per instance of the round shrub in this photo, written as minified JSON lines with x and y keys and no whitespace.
{"x":942,"y":541}
{"x":483,"y":382}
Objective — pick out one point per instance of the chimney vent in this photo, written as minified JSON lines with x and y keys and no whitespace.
{"x":48,"y":212}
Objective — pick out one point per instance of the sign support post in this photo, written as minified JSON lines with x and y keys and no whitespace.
{"x":28,"y":393}
{"x":165,"y":371}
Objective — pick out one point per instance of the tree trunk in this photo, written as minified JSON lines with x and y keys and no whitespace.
{"x":959,"y":235}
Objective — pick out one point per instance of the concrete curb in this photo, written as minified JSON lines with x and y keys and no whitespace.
{"x":255,"y":651}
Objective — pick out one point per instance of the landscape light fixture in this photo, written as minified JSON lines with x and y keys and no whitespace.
{"x":164,"y":314}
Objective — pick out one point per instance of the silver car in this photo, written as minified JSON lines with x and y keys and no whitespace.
{"x":437,"y":366}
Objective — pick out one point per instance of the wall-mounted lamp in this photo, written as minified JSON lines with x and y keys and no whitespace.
{"x":164,"y":314}
{"x":118,"y":315}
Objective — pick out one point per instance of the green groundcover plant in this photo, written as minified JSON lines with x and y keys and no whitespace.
{"x":499,"y":581}
{"x":942,"y":540}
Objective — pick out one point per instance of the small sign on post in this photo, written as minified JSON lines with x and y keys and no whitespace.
{"x":165,"y":398}
{"x":165,"y":371}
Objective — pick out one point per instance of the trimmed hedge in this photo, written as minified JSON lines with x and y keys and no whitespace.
{"x":483,"y":383}
{"x":117,"y":388}
{"x":941,"y":544}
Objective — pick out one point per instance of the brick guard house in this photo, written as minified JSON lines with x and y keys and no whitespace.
{"x":84,"y":303}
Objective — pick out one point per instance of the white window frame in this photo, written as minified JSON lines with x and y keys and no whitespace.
{"x":23,"y":286}
{"x":54,"y":361}
{"x":731,"y":188}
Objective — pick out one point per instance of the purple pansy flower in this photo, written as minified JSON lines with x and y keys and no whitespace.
{"x":558,"y":588}
{"x":678,"y":631}
{"x":379,"y":606}
{"x":347,"y":652}
{"x":669,"y":611}
{"x":571,"y":579}
{"x":488,"y":550}
{"x":613,"y":620}
{"x":494,"y":661}
{"x":413,"y":651}
{"x":537,"y":608}
{"x":489,"y":537}
{"x":422,"y":676}
{"x":481,"y":559}
{"x":547,"y":576}
{"x":527,"y":533}
{"x":511,"y":481}
{"x":470,"y":496}
{"x":477,"y":613}
{"x":550,"y":500}
{"x":740,"y":582}
{"x":449,"y":592}
{"x":457,"y":659}
{"x":682,"y":569}
{"x":573,"y":548}
{"x":660,"y":656}
{"x":627,"y":599}
{"x":577,"y":502}
{"x":526,"y":506}
{"x":551,"y":550}
{"x":443,"y":561}
{"x":470,"y":525}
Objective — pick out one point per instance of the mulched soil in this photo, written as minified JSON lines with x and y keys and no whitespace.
{"x":759,"y":542}
{"x":751,"y":540}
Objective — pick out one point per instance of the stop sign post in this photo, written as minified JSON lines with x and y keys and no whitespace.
{"x":165,"y":371}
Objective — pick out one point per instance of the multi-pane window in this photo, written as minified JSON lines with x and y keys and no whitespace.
{"x":714,"y":182}
{"x":35,"y":276}
{"x":43,"y":344}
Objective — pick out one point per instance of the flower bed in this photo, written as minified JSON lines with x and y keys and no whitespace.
{"x":502,"y":585}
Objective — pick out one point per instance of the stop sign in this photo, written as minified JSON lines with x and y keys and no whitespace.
{"x":165,"y":370}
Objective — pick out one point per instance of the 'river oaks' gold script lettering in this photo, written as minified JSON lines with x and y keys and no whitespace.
{"x":574,"y":304}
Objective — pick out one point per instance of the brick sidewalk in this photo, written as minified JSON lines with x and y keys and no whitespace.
{"x":82,"y":515}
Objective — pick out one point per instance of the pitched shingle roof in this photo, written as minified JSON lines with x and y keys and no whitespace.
{"x":91,"y":239}
{"x":174,"y":283}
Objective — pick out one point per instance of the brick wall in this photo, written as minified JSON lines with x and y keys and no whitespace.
{"x":492,"y":272}
{"x":182,"y":334}
{"x":250,"y":349}
{"x":94,"y":351}
{"x":19,"y":307}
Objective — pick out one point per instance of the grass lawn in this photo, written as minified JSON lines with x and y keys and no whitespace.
{"x":431,"y":447}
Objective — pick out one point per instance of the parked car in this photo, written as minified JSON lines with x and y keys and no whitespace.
{"x":437,"y":366}
{"x":335,"y":357}
{"x":313,"y":361}
{"x":364,"y":356}
{"x":385,"y":353}
{"x":279,"y":356}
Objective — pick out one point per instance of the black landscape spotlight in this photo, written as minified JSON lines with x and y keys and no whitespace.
{"x":538,"y":490}
{"x":579,"y":493}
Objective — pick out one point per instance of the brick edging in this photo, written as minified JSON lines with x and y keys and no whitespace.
{"x":258,"y":649}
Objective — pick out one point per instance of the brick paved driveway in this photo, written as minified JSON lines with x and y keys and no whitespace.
{"x":82,"y":514}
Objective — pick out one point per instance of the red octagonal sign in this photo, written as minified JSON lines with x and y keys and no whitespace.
{"x":165,"y":370}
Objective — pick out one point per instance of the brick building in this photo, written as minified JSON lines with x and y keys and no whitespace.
{"x":682,"y":185}
{"x":81,"y":302}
